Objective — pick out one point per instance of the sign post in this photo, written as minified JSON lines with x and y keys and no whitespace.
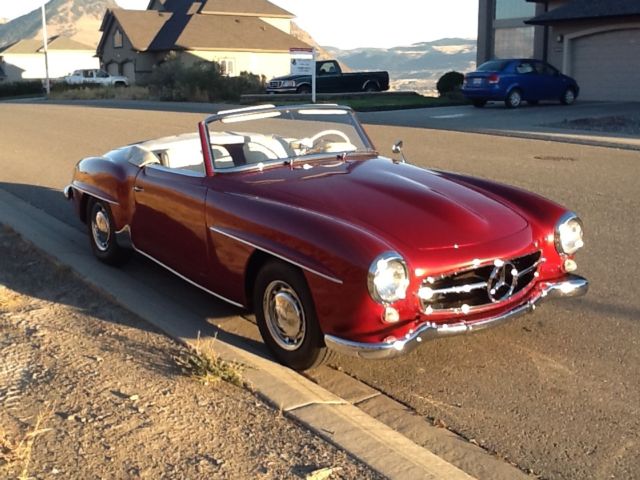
{"x":46,"y":53}
{"x":303,"y":62}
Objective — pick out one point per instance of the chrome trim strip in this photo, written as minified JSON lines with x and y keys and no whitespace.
{"x":68,"y":192}
{"x":304,"y":267}
{"x":186,"y":279}
{"x":99,"y":197}
{"x":459,"y":289}
{"x":570,"y":286}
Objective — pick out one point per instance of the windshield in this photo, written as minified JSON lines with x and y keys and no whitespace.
{"x":256,"y":137}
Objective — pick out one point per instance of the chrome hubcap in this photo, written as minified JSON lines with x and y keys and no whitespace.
{"x":569,"y":96}
{"x":284,"y":315}
{"x":100,"y":229}
{"x":515,"y":99}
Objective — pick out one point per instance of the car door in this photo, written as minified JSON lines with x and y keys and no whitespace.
{"x":328,"y":77}
{"x":550,"y":81}
{"x":527,"y":79}
{"x":168,"y":221}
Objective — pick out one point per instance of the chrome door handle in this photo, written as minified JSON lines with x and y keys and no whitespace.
{"x":138,"y":189}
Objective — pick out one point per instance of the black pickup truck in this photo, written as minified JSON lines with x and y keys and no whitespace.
{"x":330,"y":79}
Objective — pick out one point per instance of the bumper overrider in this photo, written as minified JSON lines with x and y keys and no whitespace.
{"x":569,"y":286}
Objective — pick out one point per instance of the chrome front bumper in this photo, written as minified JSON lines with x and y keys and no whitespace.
{"x":571,"y":286}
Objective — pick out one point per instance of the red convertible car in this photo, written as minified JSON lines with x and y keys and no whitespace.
{"x":291,"y":213}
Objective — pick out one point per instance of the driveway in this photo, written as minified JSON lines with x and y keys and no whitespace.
{"x":544,"y":121}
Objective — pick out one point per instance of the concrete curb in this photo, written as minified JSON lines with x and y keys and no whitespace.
{"x":324,"y":413}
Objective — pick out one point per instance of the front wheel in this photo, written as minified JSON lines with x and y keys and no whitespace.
{"x":568,"y":97}
{"x":304,"y":89}
{"x":102,"y":234}
{"x":286,"y":317}
{"x":514,"y":99}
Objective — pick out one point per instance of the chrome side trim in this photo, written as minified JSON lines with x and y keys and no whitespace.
{"x":570,"y":286}
{"x":68,"y":192}
{"x":186,"y":279}
{"x":99,"y":197}
{"x":292,"y":262}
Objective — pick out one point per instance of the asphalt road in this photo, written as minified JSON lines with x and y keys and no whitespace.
{"x":556,"y":393}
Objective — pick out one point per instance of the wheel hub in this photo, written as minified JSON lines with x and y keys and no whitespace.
{"x":284,"y":315}
{"x":101,"y":230}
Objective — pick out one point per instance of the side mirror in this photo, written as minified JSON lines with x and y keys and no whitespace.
{"x":397,"y":149}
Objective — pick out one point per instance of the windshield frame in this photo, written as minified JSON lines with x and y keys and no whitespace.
{"x":268,"y":111}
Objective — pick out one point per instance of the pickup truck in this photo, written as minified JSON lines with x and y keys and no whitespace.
{"x":94,"y":76}
{"x":330,"y":79}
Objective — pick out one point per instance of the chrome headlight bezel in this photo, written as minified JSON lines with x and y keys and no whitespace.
{"x":567,"y":241}
{"x":385,"y":261}
{"x":288,"y":83}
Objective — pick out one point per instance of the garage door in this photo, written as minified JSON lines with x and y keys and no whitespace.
{"x":129,"y":71}
{"x":607,"y":65}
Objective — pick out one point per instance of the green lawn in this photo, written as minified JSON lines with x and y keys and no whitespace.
{"x":395,"y":102}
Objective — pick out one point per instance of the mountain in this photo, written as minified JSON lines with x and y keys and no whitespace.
{"x":78,"y":19}
{"x":414,"y":67}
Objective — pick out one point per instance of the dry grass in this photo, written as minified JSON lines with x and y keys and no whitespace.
{"x":204,"y":364}
{"x":16,"y":454}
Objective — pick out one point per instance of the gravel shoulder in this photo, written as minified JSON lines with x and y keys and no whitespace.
{"x":95,"y":392}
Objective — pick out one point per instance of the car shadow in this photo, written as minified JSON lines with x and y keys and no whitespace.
{"x":33,"y":273}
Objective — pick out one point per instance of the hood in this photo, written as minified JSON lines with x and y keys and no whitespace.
{"x":289,"y":77}
{"x":397,"y":202}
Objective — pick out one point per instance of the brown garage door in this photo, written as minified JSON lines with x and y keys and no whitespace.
{"x":607,"y":65}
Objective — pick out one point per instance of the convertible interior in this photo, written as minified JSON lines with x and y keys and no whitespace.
{"x":232,"y":149}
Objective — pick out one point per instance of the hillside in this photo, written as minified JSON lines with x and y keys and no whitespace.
{"x":414,"y":67}
{"x":78,"y":19}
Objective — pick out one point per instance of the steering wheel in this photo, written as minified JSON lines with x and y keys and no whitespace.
{"x":326,"y":133}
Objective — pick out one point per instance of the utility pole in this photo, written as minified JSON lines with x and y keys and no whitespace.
{"x":46,"y":48}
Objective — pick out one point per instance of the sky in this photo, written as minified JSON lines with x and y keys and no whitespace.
{"x":351,"y":24}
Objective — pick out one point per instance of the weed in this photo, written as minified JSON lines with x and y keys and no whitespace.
{"x":204,"y":364}
{"x":14,"y":453}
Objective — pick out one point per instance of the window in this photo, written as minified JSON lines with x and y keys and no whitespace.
{"x":545,"y":69}
{"x":117,"y":39}
{"x":525,"y":67}
{"x":228,"y":67}
{"x":506,"y":9}
{"x":514,"y":42}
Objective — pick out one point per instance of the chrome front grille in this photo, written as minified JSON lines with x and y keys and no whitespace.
{"x":478,"y":286}
{"x":275,"y":84}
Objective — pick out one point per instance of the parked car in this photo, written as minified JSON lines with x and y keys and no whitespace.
{"x":517,"y":80}
{"x":291,"y":213}
{"x":331,"y":79}
{"x":96,"y":77}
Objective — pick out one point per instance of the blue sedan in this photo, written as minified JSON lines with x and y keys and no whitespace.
{"x":517,"y":80}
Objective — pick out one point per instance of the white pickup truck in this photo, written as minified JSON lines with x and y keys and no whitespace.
{"x":96,"y":77}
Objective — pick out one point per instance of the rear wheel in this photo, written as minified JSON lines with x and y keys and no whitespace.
{"x":102,"y":234}
{"x":286,"y":317}
{"x":514,"y":99}
{"x":479,"y":103}
{"x":568,"y":97}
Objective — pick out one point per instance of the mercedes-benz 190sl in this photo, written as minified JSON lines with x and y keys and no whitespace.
{"x":291,"y":213}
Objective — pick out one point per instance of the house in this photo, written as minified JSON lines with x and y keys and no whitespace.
{"x":24,"y":60}
{"x":242,"y":35}
{"x":595,"y":41}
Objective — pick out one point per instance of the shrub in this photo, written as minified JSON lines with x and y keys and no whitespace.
{"x":16,"y":89}
{"x":202,"y":81}
{"x":450,"y":82}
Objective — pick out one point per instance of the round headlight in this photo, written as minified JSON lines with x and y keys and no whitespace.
{"x":388,"y":278}
{"x":569,"y":234}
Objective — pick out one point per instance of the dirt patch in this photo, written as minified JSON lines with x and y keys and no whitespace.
{"x":87,"y":390}
{"x":625,"y":124}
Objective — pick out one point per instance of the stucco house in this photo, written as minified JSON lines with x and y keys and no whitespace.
{"x":595,"y":41}
{"x":242,"y":35}
{"x":24,"y":60}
